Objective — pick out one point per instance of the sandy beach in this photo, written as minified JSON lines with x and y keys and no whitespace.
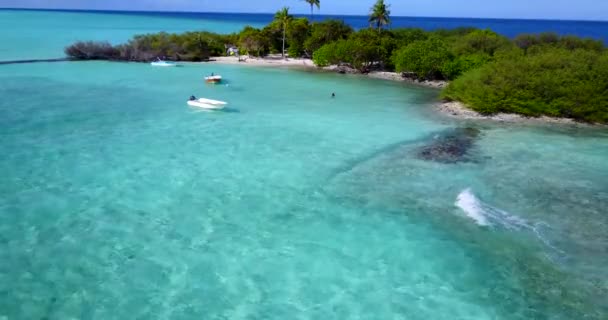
{"x":277,"y":61}
{"x":267,"y":61}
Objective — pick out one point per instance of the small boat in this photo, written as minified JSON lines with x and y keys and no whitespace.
{"x":213,"y":79}
{"x":207,"y":104}
{"x":162,"y":63}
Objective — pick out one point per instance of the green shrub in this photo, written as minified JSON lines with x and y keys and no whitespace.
{"x":92,"y":51}
{"x":425,"y":58}
{"x":549,"y":81}
{"x":456,"y":32}
{"x":322,"y":33}
{"x":297,"y":33}
{"x":252,"y":41}
{"x":527,"y":41}
{"x":461,"y":64}
{"x":326,"y":55}
{"x":404,"y":37}
{"x":361,"y":50}
{"x":481,"y":42}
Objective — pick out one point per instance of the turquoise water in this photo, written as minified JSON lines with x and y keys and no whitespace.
{"x":44,"y":34}
{"x":120,"y":202}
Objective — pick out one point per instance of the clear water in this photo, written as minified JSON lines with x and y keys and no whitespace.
{"x":120,"y":202}
{"x":45,"y":34}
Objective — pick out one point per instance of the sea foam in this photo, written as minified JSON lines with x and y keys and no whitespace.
{"x":467,"y":201}
{"x":488,"y":216}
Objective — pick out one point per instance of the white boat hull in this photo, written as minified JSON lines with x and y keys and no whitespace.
{"x":162,"y":64}
{"x":207,"y":104}
{"x":213,"y":79}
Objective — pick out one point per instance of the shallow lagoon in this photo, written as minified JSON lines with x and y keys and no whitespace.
{"x":118,"y":201}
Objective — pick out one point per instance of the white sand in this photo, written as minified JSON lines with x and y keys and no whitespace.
{"x":277,"y":61}
{"x":459,"y":110}
{"x":267,"y":61}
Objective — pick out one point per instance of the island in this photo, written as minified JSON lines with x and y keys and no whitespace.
{"x":533,"y":75}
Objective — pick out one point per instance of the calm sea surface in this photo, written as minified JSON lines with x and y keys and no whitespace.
{"x":117,"y":201}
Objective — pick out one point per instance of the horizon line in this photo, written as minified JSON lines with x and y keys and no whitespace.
{"x":299,"y":14}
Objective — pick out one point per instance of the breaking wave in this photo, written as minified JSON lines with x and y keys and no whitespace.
{"x":488,"y":216}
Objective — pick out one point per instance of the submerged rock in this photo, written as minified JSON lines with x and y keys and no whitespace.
{"x":450,"y":147}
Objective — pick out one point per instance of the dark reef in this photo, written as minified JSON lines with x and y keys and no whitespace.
{"x":451,"y":146}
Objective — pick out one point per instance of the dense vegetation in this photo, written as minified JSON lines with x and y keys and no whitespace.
{"x":534,"y":75}
{"x":544,"y":81}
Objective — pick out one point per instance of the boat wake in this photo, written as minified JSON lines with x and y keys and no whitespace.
{"x":489,"y":216}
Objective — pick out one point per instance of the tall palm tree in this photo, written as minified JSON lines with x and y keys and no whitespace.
{"x":312,"y":4}
{"x":380,"y":14}
{"x":283,"y":18}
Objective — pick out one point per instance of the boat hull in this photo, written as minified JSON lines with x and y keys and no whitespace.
{"x":204,"y":105}
{"x":213,"y":79}
{"x":162,"y":64}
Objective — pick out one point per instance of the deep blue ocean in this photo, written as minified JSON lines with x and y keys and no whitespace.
{"x":507,"y":27}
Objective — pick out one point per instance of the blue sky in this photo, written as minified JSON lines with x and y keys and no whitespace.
{"x":535,"y":9}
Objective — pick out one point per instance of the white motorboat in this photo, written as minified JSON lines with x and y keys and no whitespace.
{"x":213,"y":79}
{"x":207,"y":104}
{"x":162,"y":63}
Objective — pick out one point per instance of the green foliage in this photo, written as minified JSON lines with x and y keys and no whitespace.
{"x":453,"y":33}
{"x":551,"y":81}
{"x":92,"y":51}
{"x":461,"y":64}
{"x":404,"y":37}
{"x":425,"y":58}
{"x":274,"y":35}
{"x":322,"y":33}
{"x":312,"y":4}
{"x":481,"y":42}
{"x":283,"y":19}
{"x":297,"y":33}
{"x":380,"y":15}
{"x":327,"y":54}
{"x":361,"y":50}
{"x":190,"y":46}
{"x":252,"y":41}
{"x":573,"y":43}
{"x":527,"y":41}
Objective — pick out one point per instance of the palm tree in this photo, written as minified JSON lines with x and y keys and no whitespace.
{"x":313,"y":3}
{"x":380,"y":14}
{"x":283,"y":18}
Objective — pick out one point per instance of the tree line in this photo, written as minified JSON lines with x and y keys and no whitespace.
{"x":532,"y":74}
{"x":286,"y":35}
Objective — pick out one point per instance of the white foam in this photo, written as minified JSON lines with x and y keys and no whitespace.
{"x":471,"y":206}
{"x":486,"y":215}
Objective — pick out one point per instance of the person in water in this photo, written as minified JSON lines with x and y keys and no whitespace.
{"x":333,"y":94}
